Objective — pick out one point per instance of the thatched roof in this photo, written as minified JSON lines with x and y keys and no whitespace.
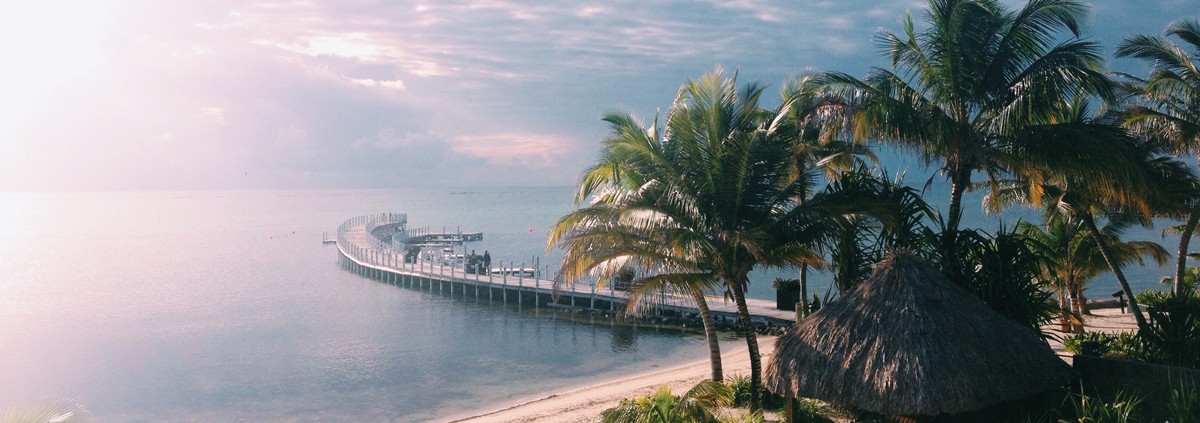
{"x":909,"y":342}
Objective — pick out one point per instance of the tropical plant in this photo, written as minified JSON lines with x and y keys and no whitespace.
{"x":699,"y":404}
{"x":743,"y":394}
{"x":1135,"y":180}
{"x":1001,"y":270}
{"x":1173,"y":333}
{"x":972,"y":91}
{"x":816,"y":146}
{"x":1184,"y":403}
{"x":806,"y":411}
{"x":1168,"y":103}
{"x":1125,"y":345}
{"x":1122,"y":409}
{"x":1072,"y":257}
{"x":708,"y":198}
{"x":1096,"y":344}
{"x":861,"y":241}
{"x":599,"y":238}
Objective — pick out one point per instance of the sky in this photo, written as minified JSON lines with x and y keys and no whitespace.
{"x":101,"y":95}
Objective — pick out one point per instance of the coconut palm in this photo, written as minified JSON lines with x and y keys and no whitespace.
{"x":699,"y":404}
{"x":971,"y":90}
{"x":816,"y":145}
{"x":1169,"y":103}
{"x":615,"y":233}
{"x":1134,"y":177}
{"x":597,"y":239}
{"x":1072,"y":258}
{"x":716,"y":192}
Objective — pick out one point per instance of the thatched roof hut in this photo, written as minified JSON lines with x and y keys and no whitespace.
{"x":909,"y":342}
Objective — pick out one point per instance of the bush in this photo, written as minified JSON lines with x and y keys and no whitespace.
{"x":1172,"y":334}
{"x":1096,"y":344}
{"x":740,"y":385}
{"x":1122,"y":409}
{"x":808,"y":411}
{"x":1184,"y":404}
{"x":1102,"y":344}
{"x":1151,"y":298}
{"x":741,"y":390}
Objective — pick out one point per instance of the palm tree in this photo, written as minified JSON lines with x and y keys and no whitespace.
{"x":816,"y":146}
{"x":699,"y":404}
{"x":715,"y":190}
{"x":597,"y":239}
{"x":614,"y":232}
{"x":1072,"y":258}
{"x":1170,"y":104}
{"x":971,"y":90}
{"x":1130,"y":177}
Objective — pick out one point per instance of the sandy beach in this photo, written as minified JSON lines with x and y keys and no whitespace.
{"x":585,"y":403}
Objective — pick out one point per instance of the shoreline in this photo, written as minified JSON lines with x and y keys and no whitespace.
{"x":585,"y":403}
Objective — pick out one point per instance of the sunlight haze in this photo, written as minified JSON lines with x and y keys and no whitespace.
{"x":148,"y":95}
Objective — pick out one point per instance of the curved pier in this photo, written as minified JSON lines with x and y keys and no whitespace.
{"x":361,"y":251}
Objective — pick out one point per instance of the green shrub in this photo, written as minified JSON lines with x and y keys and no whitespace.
{"x":1152,"y":298}
{"x":740,"y":385}
{"x":745,"y":418}
{"x":1089,"y":343}
{"x":741,"y":390}
{"x":1184,"y":404}
{"x":1172,"y":334}
{"x":1127,"y":345}
{"x":808,"y":411}
{"x":781,"y":283}
{"x":1122,"y":409}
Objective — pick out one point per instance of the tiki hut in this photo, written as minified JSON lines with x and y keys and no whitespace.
{"x":908,"y":342}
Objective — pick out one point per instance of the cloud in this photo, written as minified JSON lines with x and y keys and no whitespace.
{"x":320,"y":93}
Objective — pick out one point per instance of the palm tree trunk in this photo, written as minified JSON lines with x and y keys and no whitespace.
{"x":710,"y":332}
{"x":1077,"y":303}
{"x":1181,"y":254}
{"x":803,"y":291}
{"x":1133,"y":305}
{"x":739,"y":297}
{"x":1064,"y":309}
{"x":958,"y":186}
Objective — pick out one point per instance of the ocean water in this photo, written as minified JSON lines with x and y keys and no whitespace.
{"x":225,"y":306}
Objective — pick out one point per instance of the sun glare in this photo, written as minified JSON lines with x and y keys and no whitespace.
{"x":44,"y":43}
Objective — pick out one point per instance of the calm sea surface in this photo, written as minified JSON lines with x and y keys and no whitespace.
{"x":225,"y":306}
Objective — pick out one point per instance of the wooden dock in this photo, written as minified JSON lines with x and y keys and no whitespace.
{"x":361,"y":252}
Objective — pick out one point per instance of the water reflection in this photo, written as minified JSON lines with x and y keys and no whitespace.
{"x":624,"y":338}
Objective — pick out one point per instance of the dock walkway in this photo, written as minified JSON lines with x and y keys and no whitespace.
{"x":367,"y":255}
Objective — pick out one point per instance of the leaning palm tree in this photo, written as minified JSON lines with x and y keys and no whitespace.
{"x":971,"y":89}
{"x":714,"y":190}
{"x":1072,"y":258}
{"x":600,"y":239}
{"x":699,"y":404}
{"x":1169,"y":103}
{"x":1133,"y":177}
